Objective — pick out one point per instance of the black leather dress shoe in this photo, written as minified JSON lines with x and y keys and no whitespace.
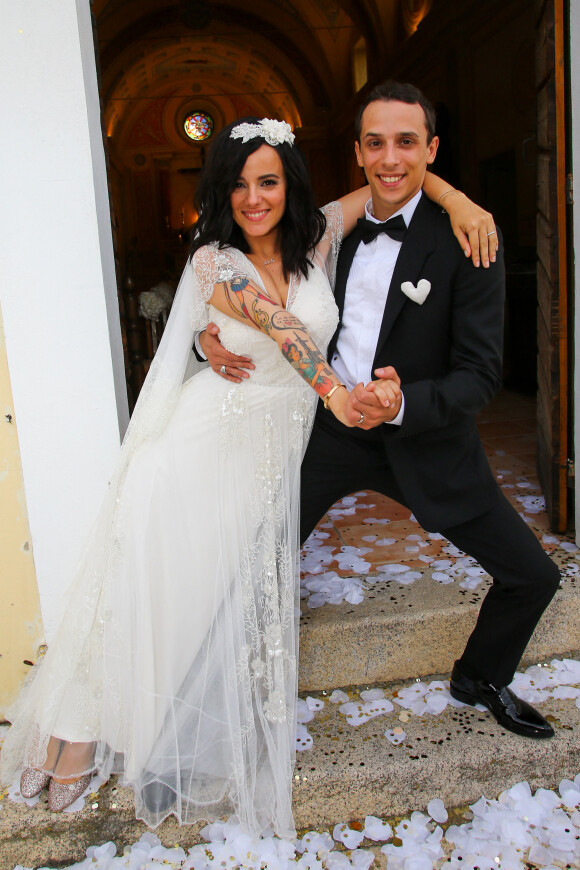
{"x":509,"y":710}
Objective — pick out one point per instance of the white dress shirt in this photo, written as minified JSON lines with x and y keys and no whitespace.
{"x":366,"y":294}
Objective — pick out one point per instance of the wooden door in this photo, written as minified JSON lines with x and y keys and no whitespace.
{"x":552,"y":419}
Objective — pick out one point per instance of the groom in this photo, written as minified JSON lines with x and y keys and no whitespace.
{"x":409,"y":299}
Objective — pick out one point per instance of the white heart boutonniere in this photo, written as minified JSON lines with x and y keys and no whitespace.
{"x":419,"y":293}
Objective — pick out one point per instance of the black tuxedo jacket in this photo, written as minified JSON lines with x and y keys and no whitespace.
{"x":448,"y":354}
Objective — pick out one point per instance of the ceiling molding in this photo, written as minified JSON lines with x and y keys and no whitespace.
{"x":130,"y":41}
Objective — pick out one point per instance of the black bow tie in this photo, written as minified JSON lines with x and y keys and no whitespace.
{"x":394,"y":227}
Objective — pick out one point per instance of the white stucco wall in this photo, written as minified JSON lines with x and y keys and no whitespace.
{"x":57,"y":283}
{"x":575,"y":94}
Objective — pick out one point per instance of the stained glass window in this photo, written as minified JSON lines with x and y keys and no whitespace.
{"x":198,"y":126}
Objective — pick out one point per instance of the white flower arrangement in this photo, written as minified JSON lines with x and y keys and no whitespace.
{"x":274,"y":132}
{"x":152,"y":303}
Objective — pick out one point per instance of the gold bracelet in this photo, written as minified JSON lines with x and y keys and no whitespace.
{"x":447,"y":192}
{"x":326,"y":399}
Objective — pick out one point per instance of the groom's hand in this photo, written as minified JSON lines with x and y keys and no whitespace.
{"x":379,"y":402}
{"x":218,"y":356}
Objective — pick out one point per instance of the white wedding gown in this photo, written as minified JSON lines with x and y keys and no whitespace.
{"x":177,"y":654}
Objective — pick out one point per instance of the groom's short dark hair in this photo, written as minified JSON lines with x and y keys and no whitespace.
{"x":401,"y":92}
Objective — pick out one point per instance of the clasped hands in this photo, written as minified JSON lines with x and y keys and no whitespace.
{"x":378,"y":402}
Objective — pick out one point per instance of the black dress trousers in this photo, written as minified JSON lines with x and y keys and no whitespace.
{"x":340,"y":461}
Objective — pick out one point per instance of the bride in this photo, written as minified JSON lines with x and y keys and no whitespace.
{"x":175,"y":664}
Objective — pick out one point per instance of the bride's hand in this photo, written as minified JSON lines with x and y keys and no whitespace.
{"x":338,"y":404}
{"x":473,"y":227}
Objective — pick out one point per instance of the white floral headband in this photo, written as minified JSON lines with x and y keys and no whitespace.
{"x":274,"y":132}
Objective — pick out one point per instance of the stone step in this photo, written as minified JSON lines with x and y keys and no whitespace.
{"x":457,"y":755}
{"x":402,"y":632}
{"x":348,"y":773}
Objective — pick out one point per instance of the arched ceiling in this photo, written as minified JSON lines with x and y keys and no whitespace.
{"x":288,"y":58}
{"x":199,"y":70}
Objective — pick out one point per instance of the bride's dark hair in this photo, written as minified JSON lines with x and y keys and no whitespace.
{"x":302,"y":224}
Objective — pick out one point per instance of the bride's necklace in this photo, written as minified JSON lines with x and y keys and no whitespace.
{"x":268,"y":262}
{"x":274,"y":283}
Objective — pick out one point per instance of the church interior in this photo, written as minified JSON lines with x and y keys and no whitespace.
{"x":173,"y":72}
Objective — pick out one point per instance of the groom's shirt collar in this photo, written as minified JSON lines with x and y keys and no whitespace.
{"x":407,"y":211}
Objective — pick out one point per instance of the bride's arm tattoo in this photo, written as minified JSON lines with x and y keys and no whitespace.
{"x":249,"y":303}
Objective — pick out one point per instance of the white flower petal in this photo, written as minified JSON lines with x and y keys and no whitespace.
{"x":570,"y":797}
{"x":372,"y":694}
{"x":350,"y":838}
{"x":395,"y":735}
{"x":418,"y":861}
{"x":361,"y":859}
{"x":377,"y":829}
{"x":437,"y":811}
{"x":540,"y":855}
{"x":304,"y":739}
{"x":338,"y":697}
{"x":435,"y":703}
{"x":392,"y":568}
{"x":303,"y":712}
{"x":337,"y":861}
{"x":441,"y":577}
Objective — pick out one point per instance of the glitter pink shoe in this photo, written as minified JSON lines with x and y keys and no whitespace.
{"x":32,"y":782}
{"x":62,"y":795}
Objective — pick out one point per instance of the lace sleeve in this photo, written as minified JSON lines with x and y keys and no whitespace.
{"x":329,"y":246}
{"x":211,"y":265}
